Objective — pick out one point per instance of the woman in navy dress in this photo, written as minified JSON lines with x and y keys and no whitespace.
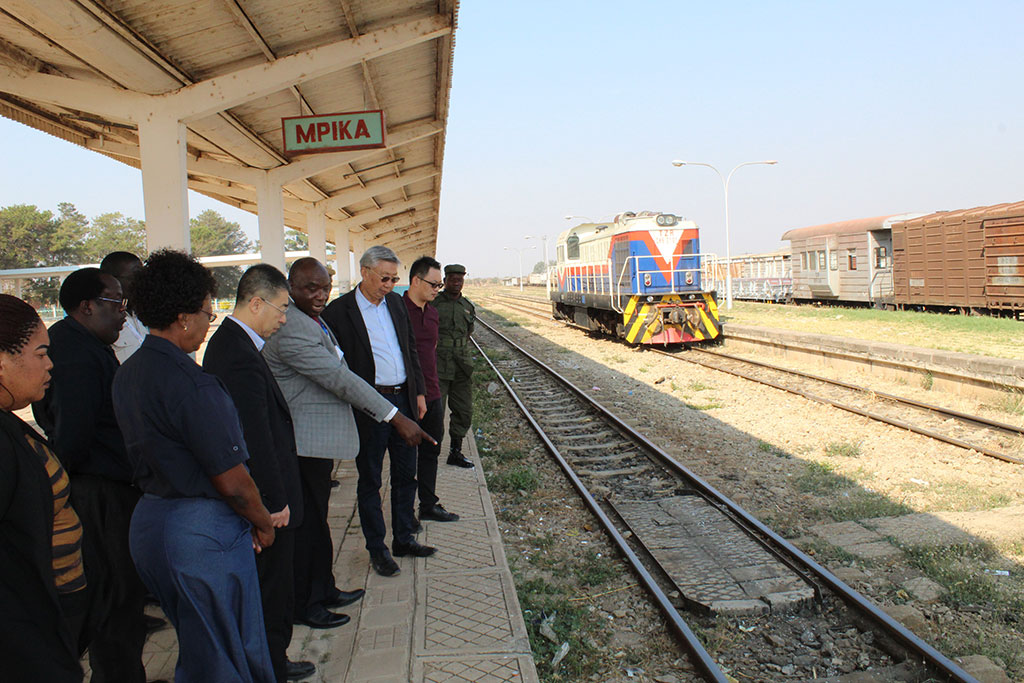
{"x":194,"y":531}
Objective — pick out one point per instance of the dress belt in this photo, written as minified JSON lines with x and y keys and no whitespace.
{"x":390,"y":389}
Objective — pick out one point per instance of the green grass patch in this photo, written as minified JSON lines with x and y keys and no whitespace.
{"x":961,"y":570}
{"x":514,"y":479}
{"x":843,"y":449}
{"x":595,"y":569}
{"x":1011,"y":402}
{"x":505,"y":455}
{"x":698,"y":386}
{"x":862,"y":504}
{"x":764,"y":447}
{"x":927,"y":381}
{"x":710,"y":405}
{"x":573,"y":623}
{"x":820,"y":478}
{"x":999,"y":337}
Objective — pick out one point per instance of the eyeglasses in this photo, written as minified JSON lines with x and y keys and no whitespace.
{"x":279,"y":310}
{"x":385,"y":278}
{"x":435,"y":285}
{"x":123,"y":303}
{"x":212,"y":316}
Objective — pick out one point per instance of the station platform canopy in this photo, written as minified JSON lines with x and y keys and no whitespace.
{"x":193,"y":92}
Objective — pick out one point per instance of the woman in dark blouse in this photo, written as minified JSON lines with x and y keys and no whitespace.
{"x":42,"y":584}
{"x":200,"y":517}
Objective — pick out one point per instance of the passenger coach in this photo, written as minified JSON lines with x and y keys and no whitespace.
{"x":637,"y":277}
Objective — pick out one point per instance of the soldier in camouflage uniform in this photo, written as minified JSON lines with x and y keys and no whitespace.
{"x":454,"y":363}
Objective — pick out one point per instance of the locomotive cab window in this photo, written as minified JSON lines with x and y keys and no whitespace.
{"x":572,"y":247}
{"x":821,"y":261}
{"x":881,"y":257}
{"x":851,"y":256}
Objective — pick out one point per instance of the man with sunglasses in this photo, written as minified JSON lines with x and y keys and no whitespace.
{"x":374,"y":332}
{"x":77,"y":414}
{"x":424,"y":284}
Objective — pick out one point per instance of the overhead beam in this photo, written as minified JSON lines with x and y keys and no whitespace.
{"x":346,"y":197}
{"x":223,"y":92}
{"x":116,"y":104}
{"x":360,"y":219}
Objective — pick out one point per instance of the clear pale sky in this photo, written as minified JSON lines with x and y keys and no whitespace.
{"x":578,"y":107}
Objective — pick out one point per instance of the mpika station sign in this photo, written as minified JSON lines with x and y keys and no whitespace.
{"x":333,"y":132}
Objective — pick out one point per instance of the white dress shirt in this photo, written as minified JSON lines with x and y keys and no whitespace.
{"x":389,"y":365}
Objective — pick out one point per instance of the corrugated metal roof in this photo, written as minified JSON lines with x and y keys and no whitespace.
{"x":160,"y":46}
{"x":846,"y":227}
{"x":1005,"y":210}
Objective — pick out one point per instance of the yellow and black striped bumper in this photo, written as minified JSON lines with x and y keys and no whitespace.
{"x":648,"y":322}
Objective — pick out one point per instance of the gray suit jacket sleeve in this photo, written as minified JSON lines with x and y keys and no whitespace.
{"x":301,"y":346}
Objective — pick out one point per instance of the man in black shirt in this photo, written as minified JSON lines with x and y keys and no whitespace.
{"x":78,"y":415}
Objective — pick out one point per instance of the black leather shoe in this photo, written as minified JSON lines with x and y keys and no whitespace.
{"x":298,"y":671}
{"x":384,"y":564}
{"x":342,"y":598}
{"x":319,"y":616}
{"x":459,"y":460}
{"x":438,"y":514}
{"x":412,"y":548}
{"x":335,"y":483}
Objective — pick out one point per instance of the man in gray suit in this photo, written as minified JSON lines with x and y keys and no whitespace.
{"x":321,"y":391}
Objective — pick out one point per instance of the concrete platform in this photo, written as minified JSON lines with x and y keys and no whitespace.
{"x":451,"y":617}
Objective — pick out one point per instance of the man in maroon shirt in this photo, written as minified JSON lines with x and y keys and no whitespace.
{"x":424,"y":283}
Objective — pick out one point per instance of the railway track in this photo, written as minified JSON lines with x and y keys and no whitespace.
{"x":698,"y":554}
{"x":971,"y":432}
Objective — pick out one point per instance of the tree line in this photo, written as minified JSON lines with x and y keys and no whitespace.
{"x":33,"y":238}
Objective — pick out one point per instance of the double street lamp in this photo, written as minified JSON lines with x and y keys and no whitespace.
{"x":521,"y":250}
{"x":725,"y":184}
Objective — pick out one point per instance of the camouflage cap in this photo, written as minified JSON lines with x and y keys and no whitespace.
{"x":454,"y":268}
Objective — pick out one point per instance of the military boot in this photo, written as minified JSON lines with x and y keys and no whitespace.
{"x":455,"y":456}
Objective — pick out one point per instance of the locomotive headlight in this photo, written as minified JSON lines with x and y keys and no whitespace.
{"x":650,"y":299}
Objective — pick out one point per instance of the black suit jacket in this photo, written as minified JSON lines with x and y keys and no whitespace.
{"x":266,"y":422}
{"x":343,"y":317}
{"x":35,"y":644}
{"x":77,"y":412}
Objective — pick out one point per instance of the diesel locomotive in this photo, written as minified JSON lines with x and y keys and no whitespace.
{"x":637,"y":277}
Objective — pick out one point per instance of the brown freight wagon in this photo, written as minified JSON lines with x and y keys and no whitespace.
{"x":967,"y":259}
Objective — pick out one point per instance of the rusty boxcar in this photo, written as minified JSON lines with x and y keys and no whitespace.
{"x":967,"y":259}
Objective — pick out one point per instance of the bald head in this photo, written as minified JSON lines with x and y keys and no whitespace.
{"x":310,"y":285}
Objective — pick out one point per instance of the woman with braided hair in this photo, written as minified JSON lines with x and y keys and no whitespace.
{"x":42,"y":583}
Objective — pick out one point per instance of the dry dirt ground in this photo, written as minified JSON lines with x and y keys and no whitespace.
{"x":796,"y":465}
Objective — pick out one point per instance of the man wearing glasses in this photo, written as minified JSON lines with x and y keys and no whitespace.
{"x":77,"y":414}
{"x":374,"y":332}
{"x":233,"y":355}
{"x":424,"y":284}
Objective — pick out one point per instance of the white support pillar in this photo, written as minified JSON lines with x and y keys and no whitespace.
{"x":19,"y":287}
{"x":164,"y":182}
{"x":271,"y":222}
{"x":359,"y":245}
{"x":342,"y":266}
{"x":316,"y":229}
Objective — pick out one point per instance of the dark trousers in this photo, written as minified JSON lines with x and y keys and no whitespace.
{"x":114,"y":624}
{"x":276,"y":573}
{"x":374,"y":439}
{"x":314,"y":550}
{"x":457,"y":392}
{"x":427,"y":453}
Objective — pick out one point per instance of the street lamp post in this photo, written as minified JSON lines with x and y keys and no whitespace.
{"x":725,"y":184}
{"x":520,"y":250}
{"x":547,"y":270}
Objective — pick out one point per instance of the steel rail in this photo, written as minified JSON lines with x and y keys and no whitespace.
{"x":967,"y":445}
{"x":859,"y":602}
{"x":976,"y":419}
{"x":852,"y":409}
{"x":702,"y":659}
